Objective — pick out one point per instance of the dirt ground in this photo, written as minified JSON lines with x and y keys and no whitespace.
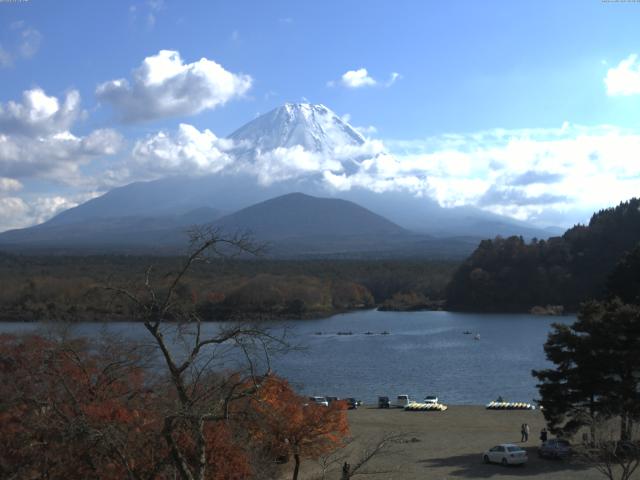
{"x":446,"y":445}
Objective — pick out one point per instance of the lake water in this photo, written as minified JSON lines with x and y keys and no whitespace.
{"x":423,"y":353}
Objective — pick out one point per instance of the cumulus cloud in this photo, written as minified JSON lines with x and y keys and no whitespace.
{"x":360,"y":78}
{"x":357,"y":78}
{"x":188,"y":151}
{"x":56,"y":157}
{"x":624,"y":79}
{"x":164,"y":86}
{"x":39,"y":113}
{"x":36,"y":140}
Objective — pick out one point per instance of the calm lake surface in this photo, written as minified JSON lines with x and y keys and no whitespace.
{"x":423,"y":353}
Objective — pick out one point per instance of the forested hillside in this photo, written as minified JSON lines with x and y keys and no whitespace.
{"x":74,"y":287}
{"x":509,"y":274}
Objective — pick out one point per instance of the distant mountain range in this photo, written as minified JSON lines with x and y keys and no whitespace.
{"x":154,"y":215}
{"x":292,"y":225}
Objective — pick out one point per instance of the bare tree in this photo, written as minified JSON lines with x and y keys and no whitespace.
{"x":602,"y":448}
{"x":202,"y":395}
{"x":364,"y":454}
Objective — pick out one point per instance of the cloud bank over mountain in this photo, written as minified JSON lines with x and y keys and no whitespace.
{"x":521,"y":173}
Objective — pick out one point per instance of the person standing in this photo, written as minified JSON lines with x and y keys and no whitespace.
{"x":543,"y":435}
{"x":526,"y":432}
{"x":523,"y":432}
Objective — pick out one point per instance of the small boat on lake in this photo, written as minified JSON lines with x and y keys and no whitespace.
{"x":476,"y":336}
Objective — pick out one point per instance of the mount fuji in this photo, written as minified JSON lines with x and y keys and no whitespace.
{"x":289,"y":149}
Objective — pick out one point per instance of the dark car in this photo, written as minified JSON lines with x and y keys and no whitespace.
{"x":331,"y":399}
{"x":352,"y":403}
{"x":383,"y":402}
{"x":555,"y":448}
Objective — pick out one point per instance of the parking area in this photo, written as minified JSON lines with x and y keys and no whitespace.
{"x":446,"y":445}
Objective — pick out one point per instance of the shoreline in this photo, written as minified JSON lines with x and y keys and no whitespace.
{"x":270,"y":317}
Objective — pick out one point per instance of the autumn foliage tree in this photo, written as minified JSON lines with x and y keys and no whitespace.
{"x":69,"y":412}
{"x":288,"y":425}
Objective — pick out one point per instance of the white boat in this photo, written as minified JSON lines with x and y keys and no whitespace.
{"x":476,"y":336}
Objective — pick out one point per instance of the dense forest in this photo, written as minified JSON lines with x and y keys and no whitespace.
{"x":76,"y":288}
{"x":509,"y":274}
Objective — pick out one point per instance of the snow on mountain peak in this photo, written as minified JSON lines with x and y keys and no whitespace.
{"x":313,"y":127}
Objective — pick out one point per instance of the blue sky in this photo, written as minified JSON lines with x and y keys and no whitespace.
{"x":451,"y":88}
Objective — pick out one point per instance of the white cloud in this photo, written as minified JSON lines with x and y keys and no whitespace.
{"x":525,"y":172}
{"x":16,"y":212}
{"x":357,"y":78}
{"x":36,"y":141}
{"x":188,"y":152}
{"x":56,"y":157}
{"x":285,"y":163}
{"x":360,"y":78}
{"x":164,"y":86}
{"x":624,"y":79}
{"x":39,"y":113}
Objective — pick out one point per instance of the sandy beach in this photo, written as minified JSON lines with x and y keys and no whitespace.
{"x":448,"y":445}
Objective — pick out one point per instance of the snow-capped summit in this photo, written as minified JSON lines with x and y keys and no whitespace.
{"x":313,"y":127}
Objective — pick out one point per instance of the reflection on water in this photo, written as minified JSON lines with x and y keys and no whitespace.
{"x":424,"y":353}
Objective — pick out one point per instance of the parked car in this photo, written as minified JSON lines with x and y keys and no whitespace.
{"x":506,"y":454}
{"x":402,"y":401}
{"x":555,"y":448}
{"x":330,"y":400}
{"x":383,"y":402}
{"x":430,"y":399}
{"x":352,"y":403}
{"x":319,"y":401}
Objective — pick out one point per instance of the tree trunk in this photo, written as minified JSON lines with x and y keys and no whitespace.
{"x":624,"y":427}
{"x":296,"y":469}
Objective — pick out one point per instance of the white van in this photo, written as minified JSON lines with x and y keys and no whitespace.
{"x":402,"y":401}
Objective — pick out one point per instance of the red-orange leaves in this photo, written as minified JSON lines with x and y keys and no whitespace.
{"x":288,"y":424}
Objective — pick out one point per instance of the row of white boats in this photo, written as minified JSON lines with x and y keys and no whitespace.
{"x":496,"y":405}
{"x":431,"y":404}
